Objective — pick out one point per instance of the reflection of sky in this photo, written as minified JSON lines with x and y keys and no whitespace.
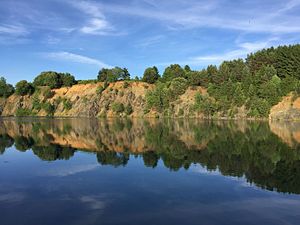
{"x":81,"y":191}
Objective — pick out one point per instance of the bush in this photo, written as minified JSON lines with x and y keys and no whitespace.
{"x":49,"y":108}
{"x":24,"y":112}
{"x":128,"y":109}
{"x":67,"y":104}
{"x":36,"y":103}
{"x":48,"y":93}
{"x":125,"y":85}
{"x":99,"y":90}
{"x":24,"y":88}
{"x":118,"y":107}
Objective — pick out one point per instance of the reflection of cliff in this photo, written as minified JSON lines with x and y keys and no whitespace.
{"x":288,"y":132}
{"x":235,"y":149}
{"x":98,"y":135}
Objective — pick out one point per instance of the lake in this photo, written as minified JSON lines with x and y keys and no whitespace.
{"x":80,"y":171}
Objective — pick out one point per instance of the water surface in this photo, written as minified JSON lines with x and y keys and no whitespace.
{"x":78,"y":171}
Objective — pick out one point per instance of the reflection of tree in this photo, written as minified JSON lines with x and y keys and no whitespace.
{"x":150,"y":159}
{"x":113,"y":158}
{"x":5,"y":142}
{"x":23,"y":143}
{"x":250,"y":150}
{"x":53,"y":152}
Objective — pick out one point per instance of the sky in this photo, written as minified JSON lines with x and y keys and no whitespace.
{"x":83,"y":36}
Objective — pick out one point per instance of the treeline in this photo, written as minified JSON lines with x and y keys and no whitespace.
{"x":256,"y":83}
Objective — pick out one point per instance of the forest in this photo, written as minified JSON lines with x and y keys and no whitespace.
{"x":255,"y":83}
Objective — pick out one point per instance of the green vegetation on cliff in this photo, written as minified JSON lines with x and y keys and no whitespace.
{"x":252,"y":85}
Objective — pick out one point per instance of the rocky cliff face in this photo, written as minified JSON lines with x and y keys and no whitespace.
{"x":287,"y":109}
{"x":87,"y":101}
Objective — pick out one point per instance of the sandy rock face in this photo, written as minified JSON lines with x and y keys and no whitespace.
{"x":287,"y":109}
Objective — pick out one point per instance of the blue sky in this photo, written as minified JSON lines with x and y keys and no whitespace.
{"x":80,"y":36}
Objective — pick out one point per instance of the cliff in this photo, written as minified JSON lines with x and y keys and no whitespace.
{"x":86,"y":100}
{"x":96,"y":100}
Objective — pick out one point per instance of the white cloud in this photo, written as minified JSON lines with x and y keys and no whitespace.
{"x":94,"y":202}
{"x":242,"y":50}
{"x":71,"y":57}
{"x":72,"y":170}
{"x":89,"y":8}
{"x":97,"y":26}
{"x":244,"y":16}
{"x":15,"y":30}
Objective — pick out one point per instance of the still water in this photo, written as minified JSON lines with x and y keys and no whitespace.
{"x":78,"y":171}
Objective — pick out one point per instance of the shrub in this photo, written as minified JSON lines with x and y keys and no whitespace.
{"x":49,"y":108}
{"x":125,"y":85}
{"x":99,"y":90}
{"x":128,"y":109}
{"x":67,"y":104}
{"x":36,"y":103}
{"x":48,"y":93}
{"x":118,"y":107}
{"x":24,"y":88}
{"x":24,"y":112}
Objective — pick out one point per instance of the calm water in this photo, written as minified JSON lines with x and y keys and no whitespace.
{"x":79,"y":171}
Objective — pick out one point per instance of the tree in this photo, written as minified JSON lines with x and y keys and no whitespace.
{"x":173,"y":71}
{"x":151,"y":75}
{"x":54,"y":79}
{"x":113,"y":75}
{"x":24,"y":88}
{"x":187,"y":69}
{"x":67,"y":79}
{"x":6,"y":90}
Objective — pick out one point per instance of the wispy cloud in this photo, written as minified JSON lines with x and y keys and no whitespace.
{"x":15,"y":30}
{"x":71,"y":57}
{"x":97,"y":27}
{"x":242,"y":50}
{"x":72,"y":170}
{"x":216,"y":14}
{"x":149,"y":41}
{"x":97,"y":24}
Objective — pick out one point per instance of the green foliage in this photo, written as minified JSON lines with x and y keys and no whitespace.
{"x":113,"y":75}
{"x":87,"y":81}
{"x":125,"y":85}
{"x":205,"y":104}
{"x":6,"y":89}
{"x":24,"y":88}
{"x":54,"y":79}
{"x":118,"y":107}
{"x":99,"y":90}
{"x":49,"y":108}
{"x":151,"y":75}
{"x":164,"y":93}
{"x":67,"y":104}
{"x":24,"y":112}
{"x":36,"y":104}
{"x":173,"y":71}
{"x":48,"y":93}
{"x":128,"y":109}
